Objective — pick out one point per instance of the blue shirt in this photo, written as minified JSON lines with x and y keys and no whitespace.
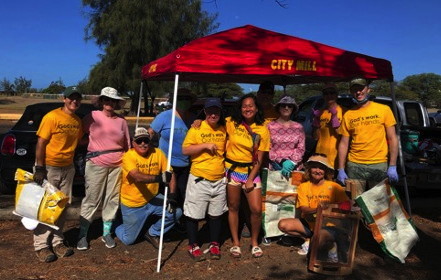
{"x":162,"y":125}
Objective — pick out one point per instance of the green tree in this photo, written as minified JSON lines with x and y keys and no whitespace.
{"x":22,"y":85}
{"x":7,"y":87}
{"x":426,"y":85}
{"x":221,"y":90}
{"x":55,"y":87}
{"x":133,"y":33}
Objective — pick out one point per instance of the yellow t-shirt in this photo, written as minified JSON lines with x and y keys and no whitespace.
{"x":139,"y":194}
{"x":240,"y":144}
{"x":329,"y":136}
{"x":367,"y":128}
{"x":63,"y":132}
{"x":206,"y":165}
{"x":310,"y":195}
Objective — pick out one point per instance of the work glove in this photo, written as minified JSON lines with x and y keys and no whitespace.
{"x":287,"y":167}
{"x":166,"y":177}
{"x":316,"y":119}
{"x":40,"y":174}
{"x":392,"y":174}
{"x":172,"y":203}
{"x":333,"y":110}
{"x":341,"y":177}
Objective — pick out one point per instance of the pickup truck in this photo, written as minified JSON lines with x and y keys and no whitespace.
{"x":422,"y":161}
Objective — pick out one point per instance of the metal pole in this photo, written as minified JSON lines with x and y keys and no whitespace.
{"x":169,"y":155}
{"x":139,"y":105}
{"x":400,"y":151}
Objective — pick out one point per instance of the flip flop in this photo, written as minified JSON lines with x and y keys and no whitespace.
{"x":256,"y":252}
{"x":235,"y":252}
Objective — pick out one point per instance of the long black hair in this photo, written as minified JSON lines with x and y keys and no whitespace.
{"x":237,"y":114}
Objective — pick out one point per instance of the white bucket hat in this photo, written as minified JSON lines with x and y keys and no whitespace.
{"x":112,"y":93}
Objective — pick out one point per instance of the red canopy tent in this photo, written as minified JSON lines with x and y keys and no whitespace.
{"x":249,"y":54}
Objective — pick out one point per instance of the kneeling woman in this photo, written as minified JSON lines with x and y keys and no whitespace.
{"x":318,"y":189}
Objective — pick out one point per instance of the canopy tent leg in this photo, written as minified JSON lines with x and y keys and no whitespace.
{"x":170,"y":146}
{"x":139,"y":105}
{"x":400,"y":151}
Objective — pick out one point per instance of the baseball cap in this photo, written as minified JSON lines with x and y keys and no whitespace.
{"x":213,"y":102}
{"x":358,"y":81}
{"x":141,"y":132}
{"x":71,"y":90}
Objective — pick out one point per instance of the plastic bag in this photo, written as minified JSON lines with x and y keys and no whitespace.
{"x":278,"y":201}
{"x":42,"y":203}
{"x":390,"y":224}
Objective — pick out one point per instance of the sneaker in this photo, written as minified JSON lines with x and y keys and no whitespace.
{"x":109,"y":241}
{"x":195,"y":252}
{"x":82,"y":244}
{"x":332,"y":254}
{"x":305,"y":248}
{"x":63,"y":251}
{"x":45,"y":255}
{"x":214,"y":250}
{"x":266,"y":241}
{"x":154,"y":240}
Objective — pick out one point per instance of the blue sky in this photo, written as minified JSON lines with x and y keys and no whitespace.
{"x":44,"y":40}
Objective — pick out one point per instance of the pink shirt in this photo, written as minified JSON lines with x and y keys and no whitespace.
{"x":287,"y":142}
{"x":106,"y":133}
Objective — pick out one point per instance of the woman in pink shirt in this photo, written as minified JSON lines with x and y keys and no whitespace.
{"x":108,"y":140}
{"x":287,"y":138}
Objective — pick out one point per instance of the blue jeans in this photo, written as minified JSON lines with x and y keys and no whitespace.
{"x":134,"y":219}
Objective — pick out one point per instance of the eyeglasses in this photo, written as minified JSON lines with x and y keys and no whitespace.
{"x":329,"y":92}
{"x":139,"y":141}
{"x":287,"y":105}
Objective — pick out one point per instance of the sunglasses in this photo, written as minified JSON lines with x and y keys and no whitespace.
{"x":329,"y":92}
{"x":140,"y":140}
{"x":287,"y":105}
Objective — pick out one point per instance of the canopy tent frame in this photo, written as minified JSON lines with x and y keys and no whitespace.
{"x":249,"y":54}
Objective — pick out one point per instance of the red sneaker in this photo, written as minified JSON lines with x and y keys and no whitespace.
{"x":195,"y":252}
{"x":214,"y":250}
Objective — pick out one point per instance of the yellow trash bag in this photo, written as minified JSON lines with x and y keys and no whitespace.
{"x":42,"y":203}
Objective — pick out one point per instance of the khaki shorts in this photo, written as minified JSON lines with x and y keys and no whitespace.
{"x":203,"y":196}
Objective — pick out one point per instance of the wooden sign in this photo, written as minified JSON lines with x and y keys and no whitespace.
{"x":334,"y":241}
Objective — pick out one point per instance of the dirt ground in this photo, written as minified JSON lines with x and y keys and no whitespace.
{"x":139,"y":261}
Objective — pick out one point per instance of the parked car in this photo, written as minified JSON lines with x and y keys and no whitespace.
{"x":19,"y":143}
{"x":435,"y":118}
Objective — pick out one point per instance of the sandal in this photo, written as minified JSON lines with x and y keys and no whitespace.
{"x":256,"y":252}
{"x":235,"y":252}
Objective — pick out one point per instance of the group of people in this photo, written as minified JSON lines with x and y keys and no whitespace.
{"x":214,"y":163}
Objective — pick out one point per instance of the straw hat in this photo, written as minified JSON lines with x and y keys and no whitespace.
{"x":319,"y":159}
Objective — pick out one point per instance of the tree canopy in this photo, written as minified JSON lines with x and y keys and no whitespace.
{"x":133,"y":33}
